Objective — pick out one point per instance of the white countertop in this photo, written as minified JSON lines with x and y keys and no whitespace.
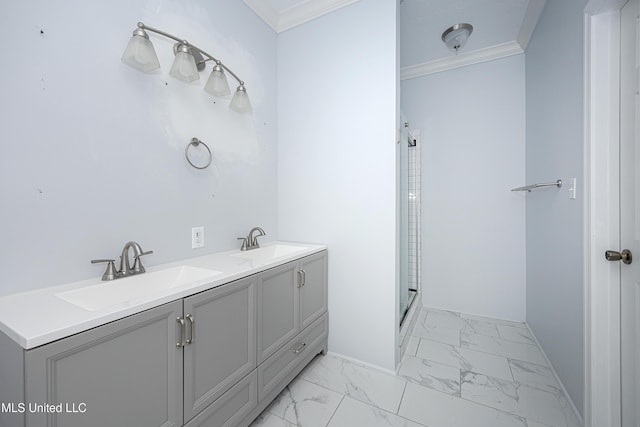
{"x":39,"y":317}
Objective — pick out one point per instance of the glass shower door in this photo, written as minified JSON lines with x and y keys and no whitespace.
{"x":403,"y":212}
{"x":409,"y":213}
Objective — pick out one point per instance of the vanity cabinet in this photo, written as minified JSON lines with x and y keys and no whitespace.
{"x":290,"y":298}
{"x":160,"y":367}
{"x":212,"y":359}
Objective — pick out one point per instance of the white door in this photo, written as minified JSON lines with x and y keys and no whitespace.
{"x":630,"y":215}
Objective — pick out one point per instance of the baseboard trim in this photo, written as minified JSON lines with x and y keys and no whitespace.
{"x":361,"y":363}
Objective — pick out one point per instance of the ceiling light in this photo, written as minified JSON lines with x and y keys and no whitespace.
{"x":189,"y":61}
{"x":455,"y":37}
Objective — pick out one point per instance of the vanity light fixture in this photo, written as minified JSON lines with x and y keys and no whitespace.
{"x":189,"y":61}
{"x":455,"y":37}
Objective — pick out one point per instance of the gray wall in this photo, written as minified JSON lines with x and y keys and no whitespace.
{"x":554,"y":88}
{"x":472,"y":123}
{"x":92,"y":151}
{"x":337,"y":116}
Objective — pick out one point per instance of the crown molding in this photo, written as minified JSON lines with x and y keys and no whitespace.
{"x":531,"y":17}
{"x":295,"y":15}
{"x":309,"y":10}
{"x":461,"y":60}
{"x":264,"y":11}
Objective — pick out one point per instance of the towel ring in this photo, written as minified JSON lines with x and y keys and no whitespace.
{"x":195,"y":142}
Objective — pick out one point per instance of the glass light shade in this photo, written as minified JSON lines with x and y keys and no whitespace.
{"x":217,"y":83}
{"x":456,"y":36}
{"x":240,"y":102}
{"x":184,"y":66}
{"x":140,"y":54}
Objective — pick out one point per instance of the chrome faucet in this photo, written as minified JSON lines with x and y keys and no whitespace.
{"x":125,"y":265}
{"x":251,"y":241}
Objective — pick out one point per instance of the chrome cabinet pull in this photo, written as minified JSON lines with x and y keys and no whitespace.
{"x":302,"y":278}
{"x":191,"y":330}
{"x":299,"y":349}
{"x":181,"y":343}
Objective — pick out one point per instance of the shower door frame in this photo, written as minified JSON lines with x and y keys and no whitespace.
{"x":414,"y":301}
{"x":413,"y":139}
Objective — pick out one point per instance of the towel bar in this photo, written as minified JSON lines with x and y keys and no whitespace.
{"x":528,"y":188}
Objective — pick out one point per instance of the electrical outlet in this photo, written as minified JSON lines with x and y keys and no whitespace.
{"x":197,"y":237}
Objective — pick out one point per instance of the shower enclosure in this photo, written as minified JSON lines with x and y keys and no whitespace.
{"x":409,"y":211}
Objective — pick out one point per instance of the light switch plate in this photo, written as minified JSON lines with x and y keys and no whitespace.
{"x":572,"y":189}
{"x":197,"y":237}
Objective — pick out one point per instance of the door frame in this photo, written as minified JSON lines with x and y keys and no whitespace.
{"x":601,"y":213}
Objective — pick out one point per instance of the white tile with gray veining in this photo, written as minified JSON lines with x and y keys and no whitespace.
{"x":305,"y":404}
{"x":437,"y":333}
{"x":431,"y":374}
{"x":502,"y":347}
{"x":493,"y":321}
{"x":435,"y":409}
{"x":359,"y":382}
{"x":352,"y":413}
{"x":473,"y":326}
{"x":440,"y":312}
{"x":465,"y":359}
{"x":523,"y":400}
{"x":534,"y":375}
{"x":458,"y":370}
{"x":436,"y":319}
{"x":513,"y":333}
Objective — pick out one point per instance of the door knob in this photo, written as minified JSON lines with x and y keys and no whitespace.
{"x":624,"y":256}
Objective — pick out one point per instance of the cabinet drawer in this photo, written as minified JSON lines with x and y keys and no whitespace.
{"x":278,"y":366}
{"x":231,"y":407}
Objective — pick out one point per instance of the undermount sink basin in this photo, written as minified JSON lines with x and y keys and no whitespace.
{"x":136,"y":288}
{"x":268,"y":253}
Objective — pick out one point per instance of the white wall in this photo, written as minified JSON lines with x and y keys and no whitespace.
{"x":336,"y":166}
{"x":472,"y":123}
{"x":554,"y":222}
{"x":93,"y":150}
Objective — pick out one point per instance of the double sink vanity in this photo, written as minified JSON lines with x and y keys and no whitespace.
{"x":208,"y":341}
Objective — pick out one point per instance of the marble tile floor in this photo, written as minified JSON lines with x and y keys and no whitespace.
{"x":458,"y":371}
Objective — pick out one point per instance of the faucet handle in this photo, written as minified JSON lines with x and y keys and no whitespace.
{"x":244,"y":243}
{"x":137,"y":264}
{"x":110,"y":273}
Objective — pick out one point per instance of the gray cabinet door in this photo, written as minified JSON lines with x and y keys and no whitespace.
{"x":278,"y":315}
{"x":222,"y":348}
{"x":313,"y":291}
{"x":124,"y":373}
